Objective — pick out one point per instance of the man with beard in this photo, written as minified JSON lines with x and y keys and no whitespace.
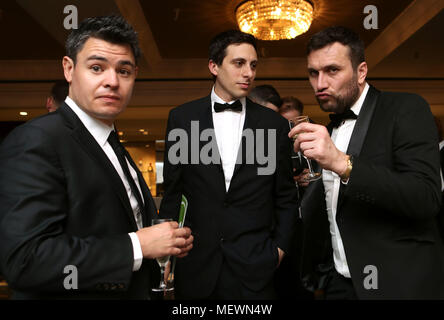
{"x":369,"y":227}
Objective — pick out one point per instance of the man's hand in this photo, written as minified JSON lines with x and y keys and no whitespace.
{"x":165,"y":239}
{"x":314,"y":142}
{"x":301,"y":178}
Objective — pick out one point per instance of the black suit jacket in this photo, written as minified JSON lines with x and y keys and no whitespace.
{"x":243,"y":226}
{"x":385,"y":213}
{"x":62,"y":203}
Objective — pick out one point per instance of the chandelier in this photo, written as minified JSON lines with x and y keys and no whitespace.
{"x":274,"y":19}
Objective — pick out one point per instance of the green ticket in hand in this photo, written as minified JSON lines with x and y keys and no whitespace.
{"x":183,"y":211}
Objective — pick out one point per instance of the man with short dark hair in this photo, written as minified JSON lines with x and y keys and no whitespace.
{"x":266,"y":95}
{"x":242,"y":217}
{"x":75,"y":212}
{"x":369,"y":223}
{"x":291,"y":107}
{"x":58,"y":93}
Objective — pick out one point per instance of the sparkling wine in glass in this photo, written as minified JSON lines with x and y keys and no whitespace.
{"x":311,"y":176}
{"x":162,"y":261}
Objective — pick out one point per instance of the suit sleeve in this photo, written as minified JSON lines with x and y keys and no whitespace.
{"x":410,"y":188}
{"x":286,"y":198}
{"x":34,"y":209}
{"x":170,"y":205}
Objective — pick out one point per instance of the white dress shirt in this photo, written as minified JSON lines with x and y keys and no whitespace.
{"x":341,"y":138}
{"x":228,"y":126}
{"x":100,"y":131}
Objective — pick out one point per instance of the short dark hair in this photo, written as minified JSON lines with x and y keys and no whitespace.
{"x":293,"y":103}
{"x":342,"y":35}
{"x":218,"y":45}
{"x":113,"y":28}
{"x":59,"y":91}
{"x":265,"y":93}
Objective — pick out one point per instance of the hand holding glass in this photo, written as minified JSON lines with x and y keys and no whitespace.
{"x":162,"y":261}
{"x":311,"y":176}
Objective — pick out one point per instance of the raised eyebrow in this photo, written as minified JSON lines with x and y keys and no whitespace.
{"x":120,"y":63}
{"x":94,"y":57}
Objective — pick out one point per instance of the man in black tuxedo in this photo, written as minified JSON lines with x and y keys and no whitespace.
{"x":242,"y":207}
{"x":369,"y":227}
{"x":75,"y":212}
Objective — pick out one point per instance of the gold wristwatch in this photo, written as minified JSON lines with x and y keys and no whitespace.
{"x":346,"y":175}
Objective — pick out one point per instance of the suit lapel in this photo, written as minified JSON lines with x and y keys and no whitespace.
{"x":363,"y":122}
{"x":360,"y":130}
{"x":205,"y":118}
{"x":205,"y":114}
{"x":89,"y":144}
{"x":251,"y":122}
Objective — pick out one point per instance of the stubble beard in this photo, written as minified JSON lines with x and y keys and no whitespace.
{"x":340,"y":103}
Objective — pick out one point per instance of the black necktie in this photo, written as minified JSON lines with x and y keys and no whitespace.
{"x":337,"y":118}
{"x":235,"y":106}
{"x":121,"y":153}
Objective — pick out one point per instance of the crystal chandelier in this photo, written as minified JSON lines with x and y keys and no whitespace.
{"x":274,"y":19}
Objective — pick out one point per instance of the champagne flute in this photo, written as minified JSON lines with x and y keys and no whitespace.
{"x":162,"y":261}
{"x":311,"y":176}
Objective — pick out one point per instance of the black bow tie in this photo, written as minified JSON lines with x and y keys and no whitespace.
{"x":337,"y":118}
{"x":235,"y":106}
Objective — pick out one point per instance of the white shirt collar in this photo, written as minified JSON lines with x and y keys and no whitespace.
{"x":356,"y":108}
{"x":216,"y":98}
{"x":99,"y":130}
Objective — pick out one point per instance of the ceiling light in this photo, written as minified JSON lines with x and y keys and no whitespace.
{"x":274,"y":20}
{"x":23,"y":113}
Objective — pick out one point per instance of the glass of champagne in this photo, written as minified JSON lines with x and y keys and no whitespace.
{"x":311,"y":176}
{"x":162,"y":261}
